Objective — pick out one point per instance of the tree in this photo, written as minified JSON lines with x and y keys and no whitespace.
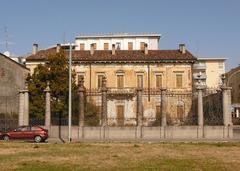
{"x":56,"y":72}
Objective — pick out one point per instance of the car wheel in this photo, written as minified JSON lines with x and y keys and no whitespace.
{"x":6,"y":138}
{"x":37,"y":139}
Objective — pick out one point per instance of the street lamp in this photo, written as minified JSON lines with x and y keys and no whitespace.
{"x":70,"y":96}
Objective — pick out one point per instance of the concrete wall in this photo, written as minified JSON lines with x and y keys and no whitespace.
{"x":143,"y":133}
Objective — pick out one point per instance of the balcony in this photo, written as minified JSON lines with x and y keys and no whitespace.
{"x":121,"y":93}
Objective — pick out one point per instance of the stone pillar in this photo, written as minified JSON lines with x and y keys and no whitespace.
{"x":21,"y":108}
{"x":104,"y":102}
{"x":47,"y":106}
{"x":163,"y":107}
{"x":200,"y":106}
{"x":81,"y":101}
{"x":26,"y":106}
{"x":226,"y":102}
{"x":139,"y":107}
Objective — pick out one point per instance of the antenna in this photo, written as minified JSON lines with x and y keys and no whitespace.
{"x":64,"y":37}
{"x":6,"y":41}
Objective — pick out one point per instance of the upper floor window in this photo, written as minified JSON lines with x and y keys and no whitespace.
{"x":158,"y":81}
{"x":140,"y":81}
{"x":130,"y":45}
{"x":142,"y":45}
{"x":120,"y":81}
{"x":82,"y":46}
{"x":99,"y":80}
{"x":179,"y":80}
{"x":220,"y":65}
{"x":118,"y":45}
{"x":94,"y":46}
{"x":106,"y":46}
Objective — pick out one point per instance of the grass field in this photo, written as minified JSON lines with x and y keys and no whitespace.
{"x":119,"y":156}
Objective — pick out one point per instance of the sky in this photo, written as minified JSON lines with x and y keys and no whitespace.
{"x":209,"y":28}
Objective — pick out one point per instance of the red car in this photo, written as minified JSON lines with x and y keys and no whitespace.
{"x":36,"y":133}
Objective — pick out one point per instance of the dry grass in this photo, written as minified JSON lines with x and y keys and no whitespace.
{"x":119,"y":156}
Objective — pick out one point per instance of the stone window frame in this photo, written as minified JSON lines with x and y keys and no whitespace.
{"x":140,"y":73}
{"x":182,"y":73}
{"x":156,"y":73}
{"x":120,"y":72}
{"x":180,"y":103}
{"x":78,"y":74}
{"x":97,"y":75}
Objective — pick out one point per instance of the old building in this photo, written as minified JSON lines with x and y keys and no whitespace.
{"x":233,"y":80}
{"x":210,"y":71}
{"x":12,"y":79}
{"x":152,"y":71}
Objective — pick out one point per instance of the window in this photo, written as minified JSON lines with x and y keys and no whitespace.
{"x":140,"y":81}
{"x":120,"y":81}
{"x":94,"y":46}
{"x":120,"y":115}
{"x":130,"y":45}
{"x":99,"y":81}
{"x":158,"y":81}
{"x":82,"y":46}
{"x":79,"y":77}
{"x":179,"y":81}
{"x":158,"y":112}
{"x":220,"y":65}
{"x":142,"y":44}
{"x":118,"y":45}
{"x":106,"y":46}
{"x":180,"y":112}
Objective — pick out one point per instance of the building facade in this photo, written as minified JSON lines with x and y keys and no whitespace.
{"x":210,"y":71}
{"x":12,"y":79}
{"x":128,"y":70}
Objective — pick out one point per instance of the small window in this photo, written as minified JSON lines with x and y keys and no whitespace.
{"x":106,"y":46}
{"x":142,"y":44}
{"x":130,"y":45}
{"x":220,"y":65}
{"x":100,"y":80}
{"x":158,"y":81}
{"x":94,"y":46}
{"x":179,"y":81}
{"x":120,"y":81}
{"x":118,"y":46}
{"x":140,"y":81}
{"x":82,"y":46}
{"x":158,"y":112}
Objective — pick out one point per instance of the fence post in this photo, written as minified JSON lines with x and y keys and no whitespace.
{"x":81,"y":101}
{"x":163,"y":107}
{"x":21,"y":108}
{"x":47,"y":106}
{"x":139,"y":107}
{"x":200,"y":105}
{"x":226,"y":97}
{"x":104,"y":102}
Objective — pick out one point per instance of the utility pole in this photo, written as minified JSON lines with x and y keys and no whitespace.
{"x":70,"y":96}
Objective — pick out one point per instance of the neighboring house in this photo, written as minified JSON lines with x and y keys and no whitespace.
{"x":233,"y":80}
{"x":210,"y":70}
{"x":129,"y":69}
{"x":12,"y":79}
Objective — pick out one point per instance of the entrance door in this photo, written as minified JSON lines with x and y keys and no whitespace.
{"x":120,"y":115}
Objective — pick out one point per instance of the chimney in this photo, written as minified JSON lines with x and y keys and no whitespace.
{"x":34,"y":49}
{"x":146,"y":49}
{"x":182,"y":48}
{"x":58,"y":48}
{"x":113,"y":49}
{"x":91,"y":49}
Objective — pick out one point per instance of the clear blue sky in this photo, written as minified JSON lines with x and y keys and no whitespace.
{"x":209,"y":28}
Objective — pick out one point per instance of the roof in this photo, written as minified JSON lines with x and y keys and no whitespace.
{"x":119,"y":35}
{"x":212,"y":59}
{"x":120,"y":55}
{"x":8,"y":58}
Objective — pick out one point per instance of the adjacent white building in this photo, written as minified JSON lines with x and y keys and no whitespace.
{"x":122,"y":41}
